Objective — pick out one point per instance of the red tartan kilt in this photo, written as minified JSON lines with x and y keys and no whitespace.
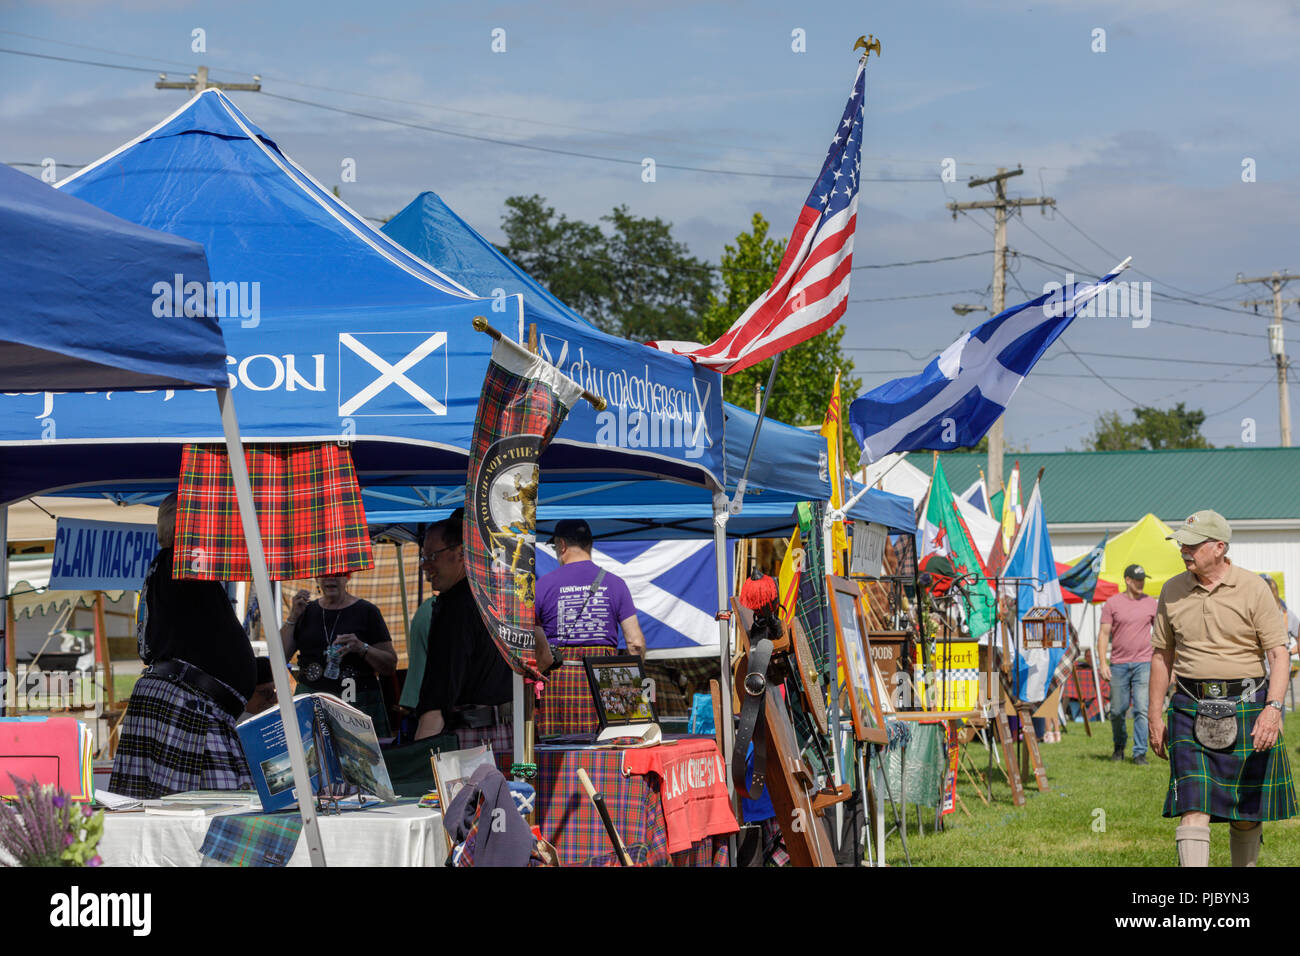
{"x":566,"y":706}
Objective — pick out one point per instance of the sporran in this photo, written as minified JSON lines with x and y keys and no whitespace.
{"x":1216,"y":724}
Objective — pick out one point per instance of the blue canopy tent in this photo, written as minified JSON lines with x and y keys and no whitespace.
{"x":77,"y":287}
{"x":334,"y":332}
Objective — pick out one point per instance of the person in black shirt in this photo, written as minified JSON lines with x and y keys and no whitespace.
{"x":467,"y":685}
{"x":179,"y":730}
{"x":357,"y":630}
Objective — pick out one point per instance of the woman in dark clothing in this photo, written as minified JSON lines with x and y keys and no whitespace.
{"x":362,"y":647}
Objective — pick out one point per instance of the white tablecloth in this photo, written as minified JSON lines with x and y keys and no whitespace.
{"x":380,"y":836}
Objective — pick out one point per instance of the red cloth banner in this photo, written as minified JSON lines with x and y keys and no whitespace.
{"x":692,"y":788}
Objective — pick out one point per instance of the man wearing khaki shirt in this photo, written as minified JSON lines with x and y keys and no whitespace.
{"x":1216,"y":626}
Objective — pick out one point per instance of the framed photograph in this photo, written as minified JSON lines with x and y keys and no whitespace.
{"x":621,"y":692}
{"x":865,"y":687}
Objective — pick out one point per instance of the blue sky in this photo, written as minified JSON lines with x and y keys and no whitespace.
{"x":1141,"y":145}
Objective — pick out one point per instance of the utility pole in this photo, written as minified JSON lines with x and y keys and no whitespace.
{"x":1000,"y":205}
{"x":1276,"y":342}
{"x":198,"y":82}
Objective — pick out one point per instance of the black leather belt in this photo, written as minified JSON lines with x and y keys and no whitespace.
{"x":752,"y":727}
{"x":1215,"y":689}
{"x":478,"y":716}
{"x":201,"y":682}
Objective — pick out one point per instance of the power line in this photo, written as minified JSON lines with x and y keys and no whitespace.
{"x":66,"y":59}
{"x":922,"y":295}
{"x":569,"y":152}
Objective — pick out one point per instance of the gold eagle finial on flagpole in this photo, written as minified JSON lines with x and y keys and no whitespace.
{"x":867,"y":44}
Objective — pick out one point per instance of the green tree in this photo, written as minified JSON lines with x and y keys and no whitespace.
{"x":807,"y":373}
{"x":1152,"y":428}
{"x":631,"y":278}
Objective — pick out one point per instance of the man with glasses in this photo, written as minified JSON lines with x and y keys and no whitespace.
{"x":467,"y":685}
{"x":1216,"y":629}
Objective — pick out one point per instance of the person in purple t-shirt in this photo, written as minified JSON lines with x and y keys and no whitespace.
{"x":1127,"y":617}
{"x":580,"y":610}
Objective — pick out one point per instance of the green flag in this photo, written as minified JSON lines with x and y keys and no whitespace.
{"x":945,"y":533}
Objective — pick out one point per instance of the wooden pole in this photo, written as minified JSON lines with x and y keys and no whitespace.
{"x":102,"y":663}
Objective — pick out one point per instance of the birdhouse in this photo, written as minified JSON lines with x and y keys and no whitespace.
{"x":1045,"y":628}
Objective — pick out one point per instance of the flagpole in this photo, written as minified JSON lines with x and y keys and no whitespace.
{"x":738,"y":499}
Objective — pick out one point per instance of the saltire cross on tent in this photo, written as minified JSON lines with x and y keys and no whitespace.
{"x":79,"y":276}
{"x":954,"y":400}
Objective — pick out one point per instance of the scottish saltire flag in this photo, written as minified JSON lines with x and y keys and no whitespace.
{"x":956,"y":399}
{"x":674,"y":586}
{"x":811,"y":288}
{"x":1082,"y":577}
{"x":1031,"y":558}
{"x":523,"y":402}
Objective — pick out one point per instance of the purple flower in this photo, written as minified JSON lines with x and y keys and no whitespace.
{"x":86,"y":811}
{"x":95,"y":860}
{"x":69,"y":839}
{"x":59,"y":801}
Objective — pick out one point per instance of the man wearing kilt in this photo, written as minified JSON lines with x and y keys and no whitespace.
{"x":179,"y":730}
{"x":1216,"y":628}
{"x":580,"y":608}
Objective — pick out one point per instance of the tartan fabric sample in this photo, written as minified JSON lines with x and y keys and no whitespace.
{"x":1087,"y":678}
{"x":1236,"y":784}
{"x":570,"y":823}
{"x":566,"y":706}
{"x":175,"y":739}
{"x":523,"y":402}
{"x":308,"y":507}
{"x":252,"y":839}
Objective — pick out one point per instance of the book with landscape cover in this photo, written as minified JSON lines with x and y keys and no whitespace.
{"x":346,"y":736}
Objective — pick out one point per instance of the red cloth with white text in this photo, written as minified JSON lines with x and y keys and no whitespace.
{"x":692,"y":788}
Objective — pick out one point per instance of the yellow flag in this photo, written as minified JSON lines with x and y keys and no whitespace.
{"x":788,"y":578}
{"x":831,"y":431}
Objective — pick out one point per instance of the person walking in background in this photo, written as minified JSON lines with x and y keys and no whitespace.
{"x":1126,"y":620}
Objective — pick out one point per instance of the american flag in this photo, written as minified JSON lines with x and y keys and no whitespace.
{"x":811,"y":288}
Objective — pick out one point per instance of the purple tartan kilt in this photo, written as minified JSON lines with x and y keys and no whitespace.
{"x":566,"y":707}
{"x":175,"y":739}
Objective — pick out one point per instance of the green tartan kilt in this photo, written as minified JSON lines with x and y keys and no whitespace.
{"x":1236,"y":784}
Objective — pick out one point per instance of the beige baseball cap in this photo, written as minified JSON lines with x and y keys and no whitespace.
{"x":1202,"y":526}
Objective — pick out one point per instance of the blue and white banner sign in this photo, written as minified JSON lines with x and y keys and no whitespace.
{"x":101,"y":555}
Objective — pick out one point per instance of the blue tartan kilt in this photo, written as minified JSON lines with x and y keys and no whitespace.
{"x":1235,"y":784}
{"x":175,"y":739}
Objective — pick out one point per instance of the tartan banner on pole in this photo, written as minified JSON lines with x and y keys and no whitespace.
{"x":523,"y":402}
{"x":308,"y":506}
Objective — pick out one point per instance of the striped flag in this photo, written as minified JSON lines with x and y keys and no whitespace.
{"x":811,"y":288}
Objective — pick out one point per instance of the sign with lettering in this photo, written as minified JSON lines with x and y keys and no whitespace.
{"x":101,"y":555}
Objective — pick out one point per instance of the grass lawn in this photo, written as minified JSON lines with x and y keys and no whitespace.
{"x":1096,"y":813}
